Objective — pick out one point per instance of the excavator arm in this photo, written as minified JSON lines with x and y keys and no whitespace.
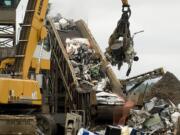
{"x":121,"y":43}
{"x":19,"y":89}
{"x":33,"y":32}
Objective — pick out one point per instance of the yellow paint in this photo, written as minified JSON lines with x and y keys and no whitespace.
{"x":44,"y":64}
{"x":43,"y":33}
{"x":5,"y":62}
{"x":37,"y":33}
{"x":23,"y":91}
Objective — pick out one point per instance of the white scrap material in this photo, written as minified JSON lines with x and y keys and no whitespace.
{"x":57,"y":26}
{"x":63,"y":23}
{"x":72,"y":45}
{"x":101,"y":85}
{"x":109,"y":98}
{"x":106,"y":94}
{"x":83,"y":131}
{"x":84,"y":41}
{"x":175,"y":116}
{"x":126,"y":130}
{"x":178,"y":106}
{"x":149,"y":106}
{"x":154,"y":99}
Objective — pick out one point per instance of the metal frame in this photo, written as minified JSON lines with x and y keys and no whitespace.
{"x":8,"y":25}
{"x":64,"y":84}
{"x":7,"y":35}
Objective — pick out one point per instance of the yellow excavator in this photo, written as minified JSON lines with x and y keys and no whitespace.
{"x":21,"y":93}
{"x":32,"y":33}
{"x":20,"y":89}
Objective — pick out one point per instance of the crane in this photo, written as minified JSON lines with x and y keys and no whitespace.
{"x":121,"y":50}
{"x":20,"y":92}
{"x":33,"y":31}
{"x":121,"y":44}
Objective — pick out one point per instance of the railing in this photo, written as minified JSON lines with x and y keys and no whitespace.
{"x":60,"y":64}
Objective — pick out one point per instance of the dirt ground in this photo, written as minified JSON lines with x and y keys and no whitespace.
{"x":168,"y":87}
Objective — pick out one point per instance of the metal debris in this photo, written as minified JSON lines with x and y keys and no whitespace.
{"x":109,"y":99}
{"x":63,"y":24}
{"x":87,"y":67}
{"x":156,"y":117}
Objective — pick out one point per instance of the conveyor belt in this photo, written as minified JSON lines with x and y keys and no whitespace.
{"x":66,"y":88}
{"x":60,"y":61}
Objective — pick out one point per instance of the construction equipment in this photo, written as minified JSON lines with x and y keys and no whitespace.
{"x":20,"y":93}
{"x":121,"y":44}
{"x":58,"y":92}
{"x":82,"y":99}
{"x":47,"y":101}
{"x":23,"y":90}
{"x":139,"y":79}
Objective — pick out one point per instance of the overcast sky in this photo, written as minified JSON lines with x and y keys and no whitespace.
{"x":158,"y":46}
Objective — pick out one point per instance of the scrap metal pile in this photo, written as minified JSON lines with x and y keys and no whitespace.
{"x":167,"y":87}
{"x":87,"y":65}
{"x":88,"y":71}
{"x":157,"y":117}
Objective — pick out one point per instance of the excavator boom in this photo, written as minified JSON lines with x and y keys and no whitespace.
{"x":22,"y":90}
{"x":121,"y":44}
{"x":33,"y":31}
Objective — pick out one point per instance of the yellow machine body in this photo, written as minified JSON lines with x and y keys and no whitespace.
{"x":44,"y":64}
{"x":18,"y":91}
{"x":24,"y":90}
{"x":37,"y":33}
{"x":5,"y":62}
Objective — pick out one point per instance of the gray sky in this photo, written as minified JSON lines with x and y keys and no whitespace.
{"x":158,"y":47}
